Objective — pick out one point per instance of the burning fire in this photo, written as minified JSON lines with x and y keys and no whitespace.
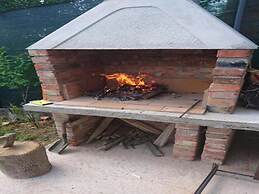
{"x":129,"y":80}
{"x":129,"y":87}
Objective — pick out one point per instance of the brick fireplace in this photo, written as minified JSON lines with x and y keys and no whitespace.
{"x":69,"y":74}
{"x":200,"y":71}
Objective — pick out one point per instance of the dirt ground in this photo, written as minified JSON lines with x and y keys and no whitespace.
{"x":45,"y":133}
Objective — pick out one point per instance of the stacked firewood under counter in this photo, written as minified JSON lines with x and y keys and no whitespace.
{"x":111,"y":132}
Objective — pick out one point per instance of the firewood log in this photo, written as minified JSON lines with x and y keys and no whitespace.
{"x":24,"y":160}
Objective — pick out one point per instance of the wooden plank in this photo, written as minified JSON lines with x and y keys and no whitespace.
{"x":86,"y":121}
{"x":165,"y":135}
{"x":102,"y":126}
{"x":142,"y":126}
{"x":155,"y":150}
{"x":111,"y":144}
{"x":81,"y":127}
{"x":111,"y":129}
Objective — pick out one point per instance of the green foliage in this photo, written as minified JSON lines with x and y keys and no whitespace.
{"x":16,"y":71}
{"x":7,"y":5}
{"x":18,"y":112}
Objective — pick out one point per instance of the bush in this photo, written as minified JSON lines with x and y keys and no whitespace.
{"x":17,"y":71}
{"x":7,"y":5}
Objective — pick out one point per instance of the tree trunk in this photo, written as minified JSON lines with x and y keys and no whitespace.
{"x":24,"y":160}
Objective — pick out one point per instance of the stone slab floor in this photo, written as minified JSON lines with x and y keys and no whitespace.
{"x":84,"y":170}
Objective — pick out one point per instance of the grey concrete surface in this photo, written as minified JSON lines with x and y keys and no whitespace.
{"x":84,"y":170}
{"x":145,"y":24}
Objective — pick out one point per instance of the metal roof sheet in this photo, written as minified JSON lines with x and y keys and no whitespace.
{"x":145,"y":24}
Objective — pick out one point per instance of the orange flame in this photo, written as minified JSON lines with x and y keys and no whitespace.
{"x":125,"y":79}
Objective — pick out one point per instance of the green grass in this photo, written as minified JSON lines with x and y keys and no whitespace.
{"x":19,"y":136}
{"x":26,"y":131}
{"x":8,"y":5}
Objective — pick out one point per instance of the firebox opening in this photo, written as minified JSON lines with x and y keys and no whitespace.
{"x":129,"y":87}
{"x":157,"y":80}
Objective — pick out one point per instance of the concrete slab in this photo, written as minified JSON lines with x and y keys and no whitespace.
{"x":84,"y":170}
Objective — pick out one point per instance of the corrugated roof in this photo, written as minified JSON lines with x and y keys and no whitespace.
{"x":145,"y":24}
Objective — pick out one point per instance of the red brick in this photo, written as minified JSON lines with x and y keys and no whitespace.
{"x":186,"y":142}
{"x":46,"y":74}
{"x":222,"y":102}
{"x":219,"y":130}
{"x":212,"y":159}
{"x":55,"y":98}
{"x":229,"y":71}
{"x":44,"y":67}
{"x":228,"y":80}
{"x":180,"y":147}
{"x":221,"y":109}
{"x":41,"y":60}
{"x":218,"y":136}
{"x":50,"y":86}
{"x":71,"y":74}
{"x":72,"y":90}
{"x":38,"y":52}
{"x":187,"y":137}
{"x":217,"y":141}
{"x":224,"y":88}
{"x":234,"y":53}
{"x":215,"y":152}
{"x":45,"y":80}
{"x":223,"y":95}
{"x":187,"y":132}
{"x":182,"y":154}
{"x":217,"y":146}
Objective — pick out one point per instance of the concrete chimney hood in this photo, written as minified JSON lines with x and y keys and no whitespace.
{"x":145,"y":24}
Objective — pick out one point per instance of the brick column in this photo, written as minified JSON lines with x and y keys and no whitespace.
{"x":228,"y":79}
{"x":60,"y":120}
{"x":46,"y":72}
{"x":188,"y":141}
{"x":217,"y":144}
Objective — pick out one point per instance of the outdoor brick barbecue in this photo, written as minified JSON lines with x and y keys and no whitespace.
{"x":199,"y":62}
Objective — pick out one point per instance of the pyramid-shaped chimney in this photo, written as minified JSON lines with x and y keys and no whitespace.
{"x":145,"y":24}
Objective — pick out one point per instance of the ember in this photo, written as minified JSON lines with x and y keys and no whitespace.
{"x":129,"y":87}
